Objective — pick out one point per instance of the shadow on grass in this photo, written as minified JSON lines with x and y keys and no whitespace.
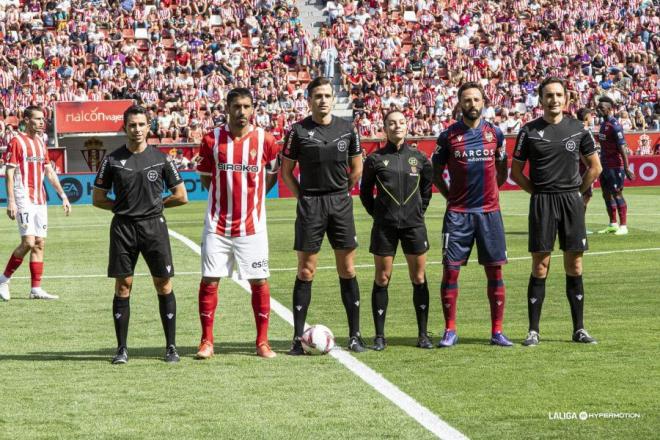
{"x":104,"y":355}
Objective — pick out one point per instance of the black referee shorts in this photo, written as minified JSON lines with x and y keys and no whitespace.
{"x":557,"y":213}
{"x":331,"y":213}
{"x":385,"y":239}
{"x":129,"y":238}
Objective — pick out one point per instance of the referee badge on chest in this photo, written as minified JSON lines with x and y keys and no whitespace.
{"x":152,"y":175}
{"x":412,"y":161}
{"x":570,"y":145}
{"x":342,"y":145}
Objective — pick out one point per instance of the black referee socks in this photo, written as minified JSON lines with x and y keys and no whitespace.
{"x":167,"y":307}
{"x":302,"y":296}
{"x":421,"y":302}
{"x":575,"y":295}
{"x":350,"y":296}
{"x":535,"y":297}
{"x":379,"y":300}
{"x":121,"y":312}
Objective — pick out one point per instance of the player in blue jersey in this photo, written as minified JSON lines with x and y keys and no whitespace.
{"x":614,"y":159}
{"x":472,"y":150}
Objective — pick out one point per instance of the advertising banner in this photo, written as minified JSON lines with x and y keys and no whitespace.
{"x":90,"y":116}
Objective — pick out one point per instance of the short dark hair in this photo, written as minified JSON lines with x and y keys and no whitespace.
{"x":606,"y":99}
{"x":471,"y":85}
{"x":583,"y":113}
{"x":238,"y":92}
{"x":135,"y":110}
{"x":318,"y":82}
{"x":390,"y":112}
{"x":551,"y":80}
{"x":30,"y":109}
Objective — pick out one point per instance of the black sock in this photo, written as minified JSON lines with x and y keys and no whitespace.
{"x":121,"y":312}
{"x":350,"y":296}
{"x":421,"y":302}
{"x":575,"y":295}
{"x":379,"y":299}
{"x":167,"y":306}
{"x":535,"y":297}
{"x":302,"y":296}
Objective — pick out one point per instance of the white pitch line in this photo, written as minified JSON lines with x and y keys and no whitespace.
{"x":358,"y":266}
{"x":417,"y":411}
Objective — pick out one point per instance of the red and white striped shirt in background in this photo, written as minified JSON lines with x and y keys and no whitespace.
{"x":30,"y":158}
{"x":236,"y":205}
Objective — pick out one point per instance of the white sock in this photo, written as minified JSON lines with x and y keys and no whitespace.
{"x":3,"y":279}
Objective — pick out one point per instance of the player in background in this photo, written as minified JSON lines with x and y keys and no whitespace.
{"x":614,"y":160}
{"x":585,"y":116}
{"x":329,"y":156}
{"x":137,"y":174}
{"x":474,"y":154}
{"x":553,"y":145}
{"x":238,"y":165}
{"x":402,"y":176}
{"x":27,"y":165}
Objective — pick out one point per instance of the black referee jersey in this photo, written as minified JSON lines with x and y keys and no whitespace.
{"x":553,"y":152}
{"x":137,"y":180}
{"x":403,"y":178}
{"x":323,"y":153}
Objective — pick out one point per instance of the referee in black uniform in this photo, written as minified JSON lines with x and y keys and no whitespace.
{"x":137,"y":174}
{"x":553,"y":145}
{"x":403,"y":177}
{"x":327,"y":150}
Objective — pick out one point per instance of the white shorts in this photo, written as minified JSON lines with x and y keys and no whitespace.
{"x":32,"y":219}
{"x":249,"y":255}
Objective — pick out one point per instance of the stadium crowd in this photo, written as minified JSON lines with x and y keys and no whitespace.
{"x":414,"y":54}
{"x":180,"y":57}
{"x":177,"y":57}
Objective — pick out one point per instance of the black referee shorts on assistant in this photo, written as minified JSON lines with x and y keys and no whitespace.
{"x":129,"y":238}
{"x":385,"y":239}
{"x":557,"y":213}
{"x":331,"y":213}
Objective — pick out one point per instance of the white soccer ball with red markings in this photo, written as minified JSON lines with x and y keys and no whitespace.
{"x":318,"y":339}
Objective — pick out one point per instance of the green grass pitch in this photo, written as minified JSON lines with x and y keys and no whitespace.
{"x":57,"y":381}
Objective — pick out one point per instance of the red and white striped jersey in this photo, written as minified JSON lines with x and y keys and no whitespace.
{"x":237,"y":166}
{"x":30,"y":158}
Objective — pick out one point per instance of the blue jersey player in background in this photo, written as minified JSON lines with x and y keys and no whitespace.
{"x":614,"y":160}
{"x":473,"y":152}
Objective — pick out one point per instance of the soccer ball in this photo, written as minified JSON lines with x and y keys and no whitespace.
{"x":318,"y":339}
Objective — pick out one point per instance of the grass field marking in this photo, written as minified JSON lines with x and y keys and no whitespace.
{"x":363,"y":266}
{"x":410,"y":406}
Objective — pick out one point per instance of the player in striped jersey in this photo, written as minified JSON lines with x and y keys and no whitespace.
{"x":239,"y":164}
{"x":473,"y":152}
{"x":27,"y":165}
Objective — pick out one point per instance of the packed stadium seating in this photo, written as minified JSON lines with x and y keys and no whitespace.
{"x":179,"y":57}
{"x":414,"y":55}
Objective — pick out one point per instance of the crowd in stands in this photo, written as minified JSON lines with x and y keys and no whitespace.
{"x":413,"y":54}
{"x":180,"y":57}
{"x":177,"y":57}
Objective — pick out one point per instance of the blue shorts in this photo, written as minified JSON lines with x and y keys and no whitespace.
{"x":461,"y":229}
{"x":612,"y":180}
